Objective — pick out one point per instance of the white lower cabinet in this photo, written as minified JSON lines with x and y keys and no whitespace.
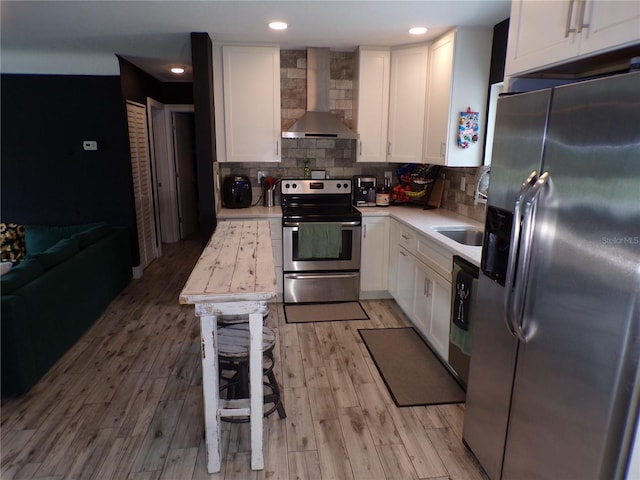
{"x":374,"y":255}
{"x":432,"y":307}
{"x":421,"y":291}
{"x":405,"y":280}
{"x":394,"y":245}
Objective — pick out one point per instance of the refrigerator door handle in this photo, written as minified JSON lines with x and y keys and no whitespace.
{"x":517,"y":300}
{"x":515,"y":247}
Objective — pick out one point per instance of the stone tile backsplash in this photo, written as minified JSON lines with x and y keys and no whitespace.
{"x":336,"y":156}
{"x":459,"y":201}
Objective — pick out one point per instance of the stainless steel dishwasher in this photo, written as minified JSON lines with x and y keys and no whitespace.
{"x":463,"y":294}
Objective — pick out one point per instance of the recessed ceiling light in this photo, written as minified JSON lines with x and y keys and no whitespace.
{"x":177,"y":70}
{"x":417,"y":31}
{"x":278,"y":26}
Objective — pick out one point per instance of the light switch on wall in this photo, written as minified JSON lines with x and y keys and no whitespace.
{"x":90,"y":145}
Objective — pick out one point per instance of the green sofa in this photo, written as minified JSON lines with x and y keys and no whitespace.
{"x":67,"y":279}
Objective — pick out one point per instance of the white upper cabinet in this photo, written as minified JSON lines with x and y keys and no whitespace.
{"x":545,"y":33}
{"x":407,"y":104}
{"x":371,"y":110}
{"x":610,"y":24}
{"x":251,"y":84}
{"x":458,"y":79}
{"x":438,"y":100}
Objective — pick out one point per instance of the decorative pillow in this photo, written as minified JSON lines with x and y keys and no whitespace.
{"x":58,"y":253}
{"x":12,"y":242}
{"x":20,"y":275}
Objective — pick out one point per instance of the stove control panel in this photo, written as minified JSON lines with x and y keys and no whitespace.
{"x":295,"y":186}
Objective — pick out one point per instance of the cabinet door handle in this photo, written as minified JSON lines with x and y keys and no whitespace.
{"x":581,"y":4}
{"x":277,"y":147}
{"x":360,"y":147}
{"x":567,"y":28}
{"x":405,"y":237}
{"x":443,"y":148}
{"x":364,"y":231}
{"x":515,"y":240}
{"x":403,"y":254}
{"x":427,"y":289}
{"x":388,"y":148}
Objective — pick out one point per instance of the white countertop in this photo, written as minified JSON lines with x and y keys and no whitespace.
{"x":425,"y":220}
{"x":421,"y":220}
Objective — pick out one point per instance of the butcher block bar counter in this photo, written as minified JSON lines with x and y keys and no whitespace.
{"x":234,"y":276}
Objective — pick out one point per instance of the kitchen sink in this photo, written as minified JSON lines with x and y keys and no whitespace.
{"x":463,"y":235}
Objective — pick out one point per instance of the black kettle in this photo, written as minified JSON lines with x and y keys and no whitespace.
{"x":236,"y":191}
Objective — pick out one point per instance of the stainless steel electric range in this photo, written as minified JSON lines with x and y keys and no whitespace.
{"x":321,"y":241}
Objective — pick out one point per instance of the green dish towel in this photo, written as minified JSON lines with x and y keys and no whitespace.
{"x":461,"y":338}
{"x":319,"y":240}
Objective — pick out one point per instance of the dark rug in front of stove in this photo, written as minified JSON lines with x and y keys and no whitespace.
{"x":324,"y":312}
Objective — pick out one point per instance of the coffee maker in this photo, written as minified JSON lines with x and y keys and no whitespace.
{"x":364,"y":191}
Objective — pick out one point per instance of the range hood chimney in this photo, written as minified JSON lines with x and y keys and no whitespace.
{"x":318,"y":122}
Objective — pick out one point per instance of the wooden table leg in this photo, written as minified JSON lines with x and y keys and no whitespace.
{"x":255,"y":382}
{"x":210,"y":389}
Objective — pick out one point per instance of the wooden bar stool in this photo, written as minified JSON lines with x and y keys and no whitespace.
{"x":233,"y":357}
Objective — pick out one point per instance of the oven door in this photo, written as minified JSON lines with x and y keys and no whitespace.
{"x":348,"y":259}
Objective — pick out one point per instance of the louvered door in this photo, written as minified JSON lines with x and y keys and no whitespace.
{"x":141,"y":170}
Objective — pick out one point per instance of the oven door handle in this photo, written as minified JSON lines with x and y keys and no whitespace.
{"x":354,"y":223}
{"x":316,"y":276}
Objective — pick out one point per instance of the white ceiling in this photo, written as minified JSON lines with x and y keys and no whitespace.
{"x":82,"y":37}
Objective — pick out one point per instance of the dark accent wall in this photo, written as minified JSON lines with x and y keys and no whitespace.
{"x":47,"y":177}
{"x":202,"y":64}
{"x":137,"y":85}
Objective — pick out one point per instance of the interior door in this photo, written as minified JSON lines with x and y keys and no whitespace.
{"x":141,"y":176}
{"x":186,"y":181}
{"x":161,"y":141}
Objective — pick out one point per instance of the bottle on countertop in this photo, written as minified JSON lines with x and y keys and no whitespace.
{"x":307,"y":170}
{"x":383,"y":193}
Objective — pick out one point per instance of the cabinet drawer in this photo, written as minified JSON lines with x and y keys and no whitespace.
{"x":438,"y":258}
{"x":407,"y":239}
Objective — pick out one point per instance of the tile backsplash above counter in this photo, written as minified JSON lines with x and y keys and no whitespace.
{"x":337,"y":164}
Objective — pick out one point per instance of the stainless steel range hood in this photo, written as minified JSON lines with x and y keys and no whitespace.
{"x":318,"y":122}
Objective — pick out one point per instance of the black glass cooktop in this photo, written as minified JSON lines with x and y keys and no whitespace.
{"x":321,"y":213}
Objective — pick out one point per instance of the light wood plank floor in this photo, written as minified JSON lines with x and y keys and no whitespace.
{"x":126,"y":402}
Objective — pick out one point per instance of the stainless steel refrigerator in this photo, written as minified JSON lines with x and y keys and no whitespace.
{"x":554,"y":382}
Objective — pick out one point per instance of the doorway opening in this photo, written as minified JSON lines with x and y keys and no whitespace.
{"x":172,"y":145}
